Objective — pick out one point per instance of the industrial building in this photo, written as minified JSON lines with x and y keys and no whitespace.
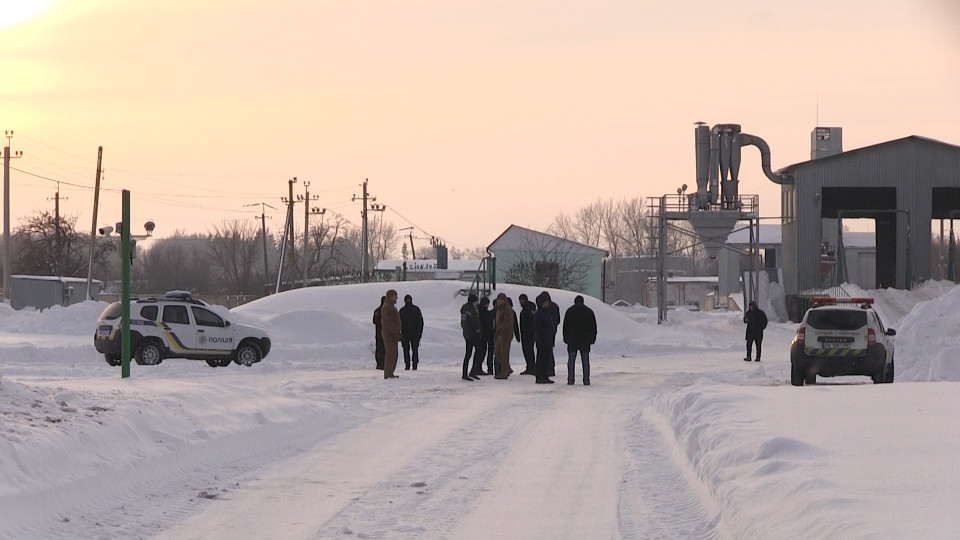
{"x":902,"y":184}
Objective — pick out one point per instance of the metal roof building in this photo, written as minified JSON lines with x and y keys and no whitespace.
{"x":902,"y":184}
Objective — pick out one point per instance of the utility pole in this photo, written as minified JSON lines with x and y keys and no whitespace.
{"x":263,"y":234}
{"x":288,"y":230}
{"x":306,"y":228}
{"x":413,"y":250}
{"x":365,"y":242}
{"x":57,"y":233}
{"x":93,"y":228}
{"x":7,"y":156}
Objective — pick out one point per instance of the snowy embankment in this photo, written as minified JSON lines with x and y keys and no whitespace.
{"x":841,"y":459}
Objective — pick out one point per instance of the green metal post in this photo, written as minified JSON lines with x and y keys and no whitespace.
{"x":125,"y":288}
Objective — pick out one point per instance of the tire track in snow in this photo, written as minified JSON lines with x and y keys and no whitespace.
{"x":413,"y":504}
{"x":661,"y":497}
{"x":347,"y":482}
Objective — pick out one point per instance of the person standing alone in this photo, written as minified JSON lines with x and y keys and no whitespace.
{"x":756,"y":321}
{"x":579,"y":333}
{"x":411,"y":319}
{"x":390,"y":318}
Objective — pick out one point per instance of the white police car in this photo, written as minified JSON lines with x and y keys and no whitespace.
{"x":179,"y":326}
{"x":841,"y":336}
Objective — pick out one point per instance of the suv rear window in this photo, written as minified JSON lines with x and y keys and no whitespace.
{"x":112,"y":312}
{"x":836,"y":319}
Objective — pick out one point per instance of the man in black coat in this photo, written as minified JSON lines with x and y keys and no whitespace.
{"x":527,"y":310}
{"x":579,"y":333}
{"x":545,"y":335}
{"x":472,"y":334}
{"x":756,"y":321}
{"x":380,"y":351}
{"x":411,"y":321}
{"x":486,"y":324}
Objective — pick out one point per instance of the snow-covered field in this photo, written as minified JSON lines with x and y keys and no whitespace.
{"x":676,"y":437}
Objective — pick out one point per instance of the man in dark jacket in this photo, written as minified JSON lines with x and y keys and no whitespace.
{"x":527,"y":310}
{"x":579,"y":333}
{"x":380,"y":351}
{"x":485,"y":348}
{"x":411,"y":319}
{"x":545,"y":335}
{"x":472,"y":334}
{"x":756,"y":321}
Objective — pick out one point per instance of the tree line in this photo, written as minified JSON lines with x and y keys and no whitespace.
{"x":229,"y":260}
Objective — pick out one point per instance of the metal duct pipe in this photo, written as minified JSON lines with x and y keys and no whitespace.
{"x":714,"y":172}
{"x":702,"y":147}
{"x":761,"y":145}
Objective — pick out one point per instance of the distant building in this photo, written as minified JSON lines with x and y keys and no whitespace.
{"x":425,"y":269}
{"x":902,"y":184}
{"x":528,"y":257}
{"x":42,"y":292}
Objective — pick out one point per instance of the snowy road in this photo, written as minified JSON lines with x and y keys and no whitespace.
{"x":493,"y":460}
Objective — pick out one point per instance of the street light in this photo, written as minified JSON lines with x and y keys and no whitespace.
{"x":127,"y":243}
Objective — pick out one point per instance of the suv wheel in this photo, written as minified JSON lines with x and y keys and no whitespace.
{"x":112,"y":359}
{"x":248,"y":354}
{"x":796,"y":376}
{"x":213,"y":362}
{"x":149,"y":353}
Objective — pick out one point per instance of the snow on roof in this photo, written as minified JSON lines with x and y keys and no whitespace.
{"x":772,"y":234}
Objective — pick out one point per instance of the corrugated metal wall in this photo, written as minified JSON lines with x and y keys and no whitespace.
{"x":913,"y":166}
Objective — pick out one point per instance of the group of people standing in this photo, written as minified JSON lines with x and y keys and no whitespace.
{"x":488,"y":335}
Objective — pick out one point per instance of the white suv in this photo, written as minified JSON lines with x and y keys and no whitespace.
{"x":179,"y":326}
{"x":841,"y":336}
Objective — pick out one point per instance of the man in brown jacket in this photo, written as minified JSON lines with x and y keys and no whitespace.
{"x":503,"y":334}
{"x":390,"y":319}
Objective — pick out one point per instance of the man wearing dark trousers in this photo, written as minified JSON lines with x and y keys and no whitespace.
{"x":472,"y":336}
{"x":411,"y":319}
{"x":579,"y":332}
{"x":756,"y":321}
{"x":527,"y":310}
{"x":379,"y":351}
{"x":545,"y":329}
{"x":486,"y":324}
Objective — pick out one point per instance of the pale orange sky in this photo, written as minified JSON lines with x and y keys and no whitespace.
{"x":466,"y":115}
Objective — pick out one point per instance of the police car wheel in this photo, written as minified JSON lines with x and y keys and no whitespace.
{"x":112,"y":359}
{"x":248,"y":354}
{"x":212,"y":362}
{"x":149,"y":353}
{"x":223,"y":362}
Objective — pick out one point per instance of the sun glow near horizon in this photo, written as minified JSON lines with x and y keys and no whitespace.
{"x":15,"y":11}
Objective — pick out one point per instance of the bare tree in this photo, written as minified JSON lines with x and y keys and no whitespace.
{"x":549,"y":262}
{"x":179,"y":262}
{"x":457,"y":254}
{"x":383,"y":238}
{"x":52,"y":247}
{"x":334,"y":253}
{"x":636,"y":231}
{"x":586,"y":225}
{"x":234,"y":250}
